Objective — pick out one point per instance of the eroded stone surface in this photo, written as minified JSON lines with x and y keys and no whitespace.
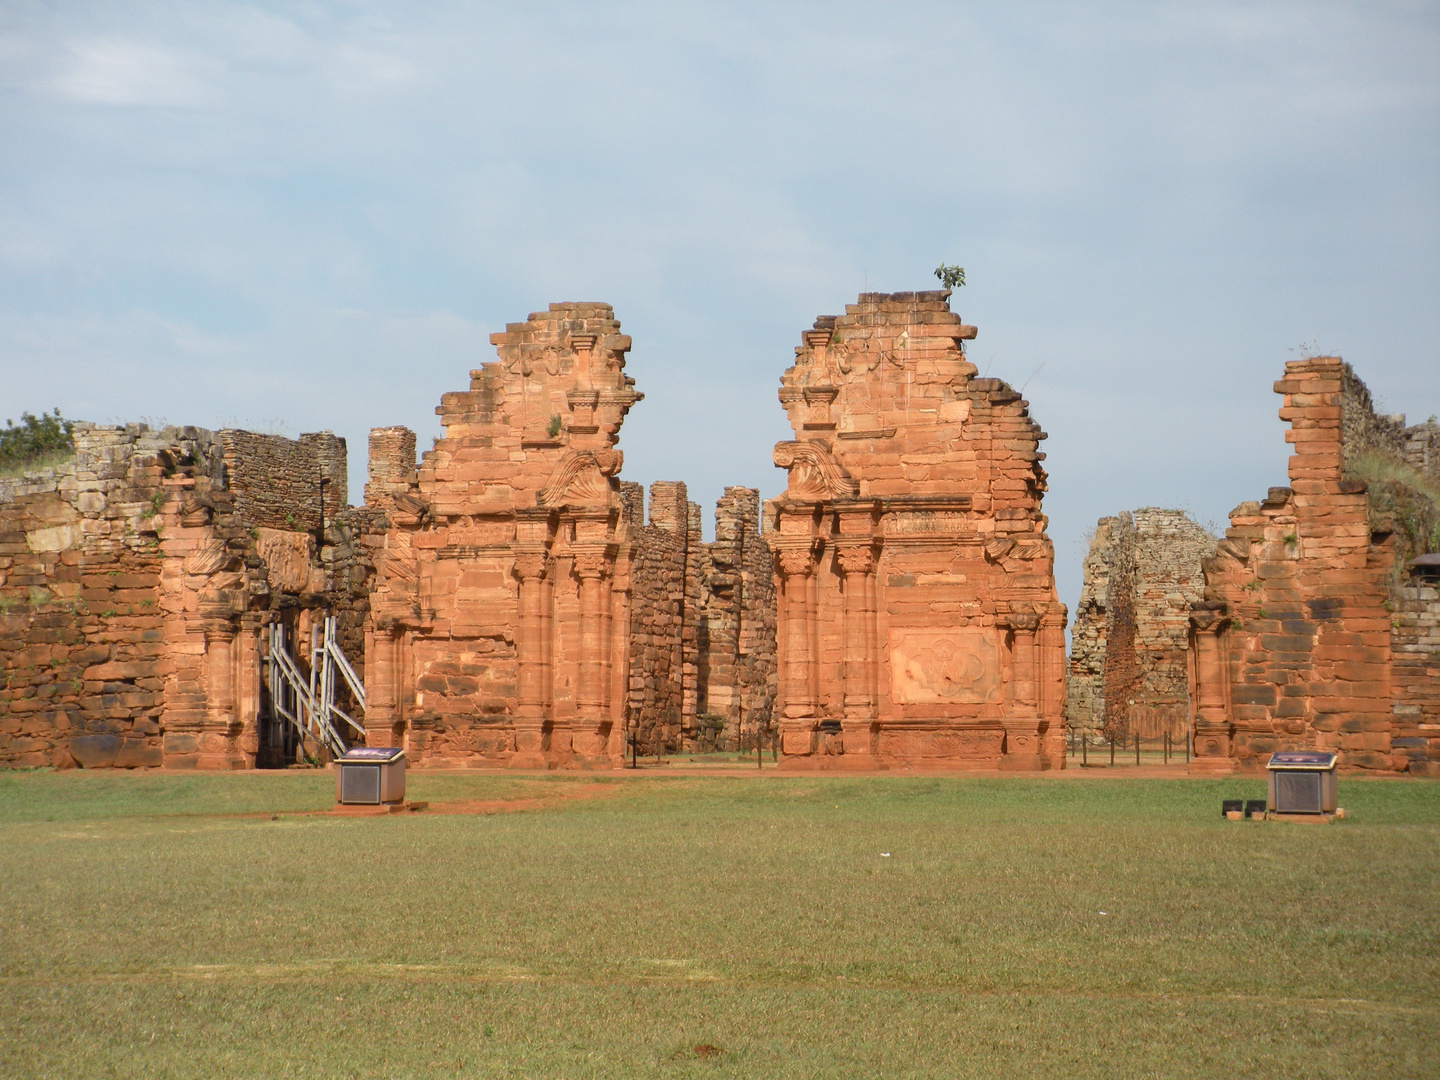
{"x":917,"y":617}
{"x":1307,"y":637}
{"x":136,"y":581}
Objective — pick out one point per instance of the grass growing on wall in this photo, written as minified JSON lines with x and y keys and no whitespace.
{"x":784,"y":926}
{"x":1403,"y":498}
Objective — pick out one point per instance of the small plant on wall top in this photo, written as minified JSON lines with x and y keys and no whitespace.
{"x":553,"y":428}
{"x":952,"y":277}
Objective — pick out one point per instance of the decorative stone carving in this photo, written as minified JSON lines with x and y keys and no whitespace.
{"x":814,"y":474}
{"x":934,"y":632}
{"x":944,"y":666}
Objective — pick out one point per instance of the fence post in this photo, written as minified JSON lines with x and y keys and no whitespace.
{"x":1137,"y":748}
{"x":1112,"y":749}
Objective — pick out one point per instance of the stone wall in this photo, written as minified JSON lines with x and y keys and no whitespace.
{"x":737,"y":673}
{"x":1128,"y":668}
{"x":918,"y":621}
{"x":277,"y":482}
{"x":663,"y":621}
{"x":82,"y":650}
{"x":135,"y":589}
{"x":1415,"y":674}
{"x":1298,"y":642}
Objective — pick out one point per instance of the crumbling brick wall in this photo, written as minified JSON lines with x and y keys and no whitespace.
{"x":702,"y":630}
{"x":1085,"y":688}
{"x":1415,"y":674}
{"x":737,"y":624}
{"x":661,"y":611}
{"x":83,"y":663}
{"x":134,"y":590}
{"x":1302,"y":640}
{"x":277,"y":482}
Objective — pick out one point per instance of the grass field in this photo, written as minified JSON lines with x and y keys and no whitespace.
{"x":719,"y":926}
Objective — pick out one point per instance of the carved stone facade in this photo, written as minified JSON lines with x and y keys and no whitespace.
{"x":1307,"y":636}
{"x":1128,"y":668}
{"x":499,"y":621}
{"x":917,"y":617}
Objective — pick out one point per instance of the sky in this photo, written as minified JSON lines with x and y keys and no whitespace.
{"x":307,"y":216}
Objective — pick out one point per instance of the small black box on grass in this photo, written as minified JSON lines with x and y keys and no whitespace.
{"x":1255,"y":808}
{"x":1231,"y":806}
{"x":1301,"y":782}
{"x":370,"y":775}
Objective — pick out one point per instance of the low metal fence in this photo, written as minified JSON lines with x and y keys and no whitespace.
{"x":1116,"y":749}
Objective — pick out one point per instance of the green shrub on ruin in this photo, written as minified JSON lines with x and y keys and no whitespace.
{"x":35,"y":442}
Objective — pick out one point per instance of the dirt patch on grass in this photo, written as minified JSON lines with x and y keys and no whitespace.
{"x":558,"y":795}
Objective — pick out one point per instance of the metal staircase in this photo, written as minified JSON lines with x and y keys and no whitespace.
{"x":307,"y":701}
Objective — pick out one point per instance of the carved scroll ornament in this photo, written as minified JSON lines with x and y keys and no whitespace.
{"x":814,"y":475}
{"x":581,"y":478}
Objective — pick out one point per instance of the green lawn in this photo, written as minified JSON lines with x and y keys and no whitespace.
{"x":171,"y":926}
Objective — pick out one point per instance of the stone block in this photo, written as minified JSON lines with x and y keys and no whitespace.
{"x":95,"y":751}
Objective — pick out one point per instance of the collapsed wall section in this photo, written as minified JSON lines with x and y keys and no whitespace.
{"x":1303,"y":640}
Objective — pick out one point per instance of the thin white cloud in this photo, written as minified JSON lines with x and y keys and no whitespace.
{"x":116,"y":71}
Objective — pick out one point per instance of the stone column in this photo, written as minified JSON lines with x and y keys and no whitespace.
{"x":247,"y":698}
{"x":857,"y":564}
{"x":217,"y":749}
{"x":1022,"y":713}
{"x":531,"y":568}
{"x":797,"y":709}
{"x":589,"y":738}
{"x":382,"y":685}
{"x":1210,"y":751}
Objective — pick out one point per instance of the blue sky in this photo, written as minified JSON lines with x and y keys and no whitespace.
{"x":305,"y":216}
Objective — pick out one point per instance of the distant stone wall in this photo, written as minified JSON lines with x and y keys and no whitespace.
{"x":737,"y":673}
{"x":1415,"y":668}
{"x":661,"y":608}
{"x":1128,"y":653}
{"x":277,"y":481}
{"x":702,"y":624}
{"x":391,"y":466}
{"x":1085,"y":688}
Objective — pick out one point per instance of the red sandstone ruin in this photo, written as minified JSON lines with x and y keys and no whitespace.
{"x":917,"y":620}
{"x":509,"y":601}
{"x":1309,"y":634}
{"x":523,"y":611}
{"x":1307,"y":626}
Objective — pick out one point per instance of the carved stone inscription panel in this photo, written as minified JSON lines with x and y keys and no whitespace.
{"x":959,"y":665}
